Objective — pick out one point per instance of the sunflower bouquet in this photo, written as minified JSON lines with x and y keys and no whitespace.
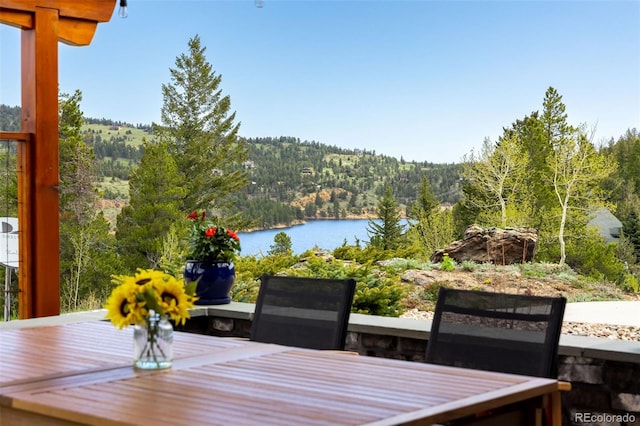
{"x":148,"y":299}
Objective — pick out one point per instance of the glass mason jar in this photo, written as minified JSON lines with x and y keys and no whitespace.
{"x":153,"y":343}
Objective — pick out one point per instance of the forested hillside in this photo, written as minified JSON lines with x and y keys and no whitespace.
{"x":320,"y":181}
{"x":290,"y":180}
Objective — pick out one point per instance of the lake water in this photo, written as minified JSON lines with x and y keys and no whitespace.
{"x":326,"y":234}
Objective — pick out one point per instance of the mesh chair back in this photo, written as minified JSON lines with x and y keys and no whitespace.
{"x":508,"y":333}
{"x":304,"y":312}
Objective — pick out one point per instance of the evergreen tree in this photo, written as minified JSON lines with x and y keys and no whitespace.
{"x":77,"y":163}
{"x":430,"y":228}
{"x":281,"y":244}
{"x":87,"y":255}
{"x":535,"y":135}
{"x":156,"y":192}
{"x":631,"y":230}
{"x":336,"y":208}
{"x":426,"y":203}
{"x":201,"y":135}
{"x":388,"y":234}
{"x":310,"y":210}
{"x":554,"y":117}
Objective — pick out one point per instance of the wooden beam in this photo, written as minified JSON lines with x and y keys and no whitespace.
{"x":13,"y":136}
{"x":91,"y":10}
{"x":77,"y":32}
{"x":16,"y":18}
{"x":39,"y":278}
{"x":77,"y":19}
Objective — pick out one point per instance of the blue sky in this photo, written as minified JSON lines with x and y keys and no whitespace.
{"x":422,"y":80}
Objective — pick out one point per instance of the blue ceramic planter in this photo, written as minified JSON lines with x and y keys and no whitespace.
{"x":214,"y":281}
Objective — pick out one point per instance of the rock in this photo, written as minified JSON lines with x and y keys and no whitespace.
{"x":493,"y":245}
{"x":418,"y":277}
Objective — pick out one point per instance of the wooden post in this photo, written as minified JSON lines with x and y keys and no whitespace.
{"x":43,"y":24}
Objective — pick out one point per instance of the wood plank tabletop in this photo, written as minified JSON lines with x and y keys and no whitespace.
{"x":39,"y":352}
{"x":235,"y":382}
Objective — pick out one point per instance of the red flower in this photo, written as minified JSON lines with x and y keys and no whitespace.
{"x":210,"y":242}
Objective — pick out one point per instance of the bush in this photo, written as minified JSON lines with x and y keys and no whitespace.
{"x":358,"y":254}
{"x":469,"y":265}
{"x":249,"y":269}
{"x":592,"y":257}
{"x":630,"y":283}
{"x":399,"y":265}
{"x":430,"y":292}
{"x":375,"y":294}
{"x":448,"y":264}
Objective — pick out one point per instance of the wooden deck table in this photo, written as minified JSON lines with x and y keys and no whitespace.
{"x":89,"y":380}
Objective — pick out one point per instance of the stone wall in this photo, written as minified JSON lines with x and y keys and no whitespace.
{"x":604,"y":374}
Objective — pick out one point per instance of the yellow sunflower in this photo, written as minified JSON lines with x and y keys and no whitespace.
{"x":174,"y":301}
{"x":121,"y":307}
{"x":135,"y":296}
{"x":149,"y":276}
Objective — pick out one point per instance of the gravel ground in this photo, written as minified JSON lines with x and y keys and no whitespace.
{"x":607,"y":331}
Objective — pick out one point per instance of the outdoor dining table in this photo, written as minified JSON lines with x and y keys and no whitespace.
{"x":82,"y":374}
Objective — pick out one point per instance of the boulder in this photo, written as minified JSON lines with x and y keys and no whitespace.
{"x":493,"y":245}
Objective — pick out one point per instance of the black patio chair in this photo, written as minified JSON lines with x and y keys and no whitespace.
{"x":509,"y":333}
{"x":303,"y":312}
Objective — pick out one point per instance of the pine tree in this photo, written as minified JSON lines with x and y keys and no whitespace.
{"x":198,"y":127}
{"x":281,"y":245}
{"x":430,"y":228}
{"x":156,"y":192}
{"x":77,"y":163}
{"x":425,"y":203}
{"x":388,"y":234}
{"x":631,"y":230}
{"x":87,"y":255}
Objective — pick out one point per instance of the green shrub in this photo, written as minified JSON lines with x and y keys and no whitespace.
{"x":630,"y":283}
{"x":447,"y":264}
{"x":468,"y":265}
{"x":361,"y":255}
{"x":430,"y":292}
{"x":375,"y":293}
{"x":534,"y":273}
{"x":399,"y":265}
{"x":249,"y":269}
{"x":591,"y":256}
{"x":245,"y":289}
